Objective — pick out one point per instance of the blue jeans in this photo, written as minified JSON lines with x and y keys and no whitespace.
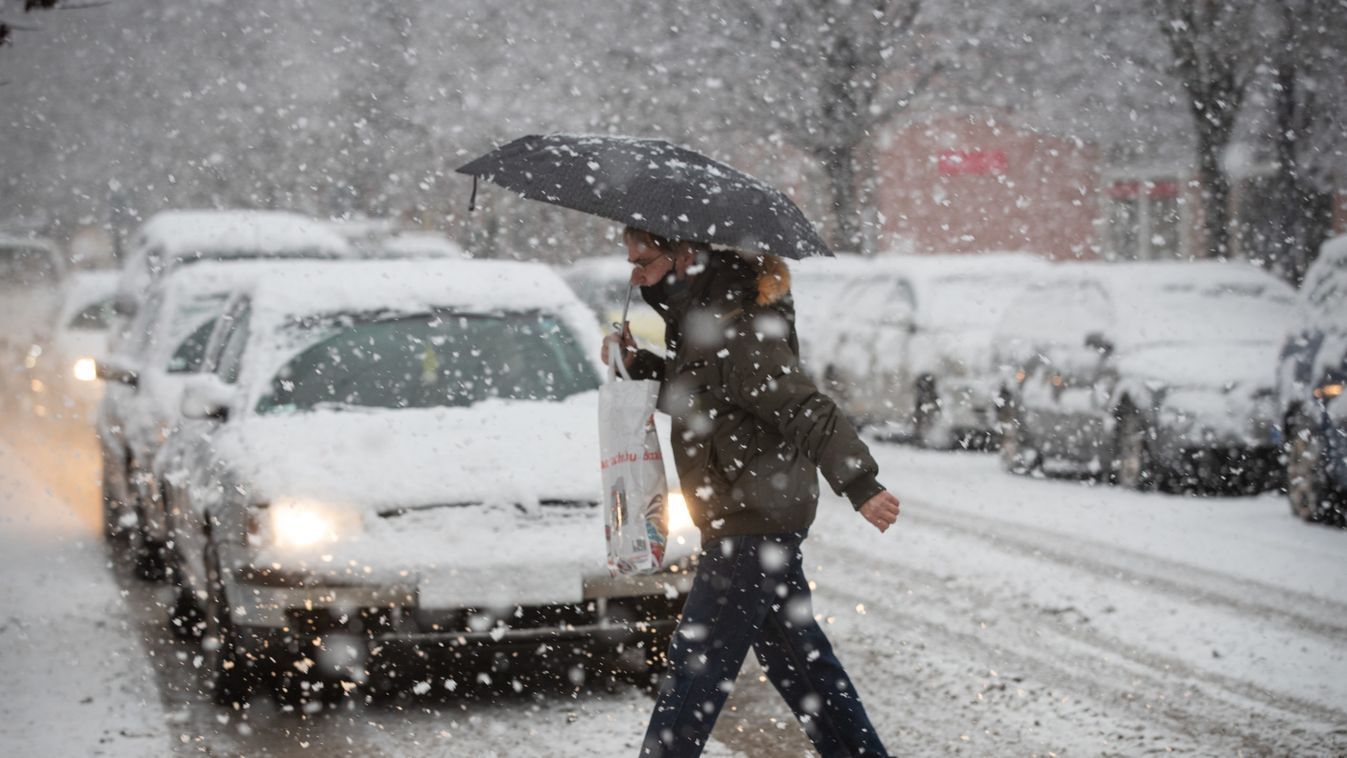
{"x":751,"y":591}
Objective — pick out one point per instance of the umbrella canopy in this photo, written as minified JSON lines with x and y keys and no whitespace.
{"x":653,"y":185}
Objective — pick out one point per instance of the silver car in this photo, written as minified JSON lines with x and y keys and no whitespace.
{"x":1154,"y":375}
{"x":393,"y":467}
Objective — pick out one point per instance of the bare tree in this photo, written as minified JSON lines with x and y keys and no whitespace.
{"x":1215,"y":46}
{"x":826,"y":76}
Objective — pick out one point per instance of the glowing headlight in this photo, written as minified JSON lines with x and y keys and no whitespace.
{"x":83,"y":370}
{"x":302,"y":524}
{"x":679,"y":518}
{"x":1328,"y":391}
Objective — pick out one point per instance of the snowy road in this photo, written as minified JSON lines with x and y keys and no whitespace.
{"x":1004,"y":616}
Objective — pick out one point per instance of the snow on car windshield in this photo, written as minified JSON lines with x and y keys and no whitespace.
{"x":964,"y":302}
{"x":429,"y":360}
{"x":1225,"y":312}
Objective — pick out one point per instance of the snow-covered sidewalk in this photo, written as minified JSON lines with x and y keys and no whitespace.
{"x":76,"y":677}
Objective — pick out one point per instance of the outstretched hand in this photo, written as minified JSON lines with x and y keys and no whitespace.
{"x":881,"y":510}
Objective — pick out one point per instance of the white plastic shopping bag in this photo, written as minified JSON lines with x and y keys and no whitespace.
{"x":635,"y":489}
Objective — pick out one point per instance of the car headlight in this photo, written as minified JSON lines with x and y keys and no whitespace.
{"x":84,"y":370}
{"x":299,"y":524}
{"x":680,"y":520}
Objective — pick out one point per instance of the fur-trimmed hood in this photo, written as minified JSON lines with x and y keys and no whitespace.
{"x":773,"y":279}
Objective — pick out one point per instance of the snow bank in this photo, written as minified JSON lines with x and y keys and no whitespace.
{"x":76,"y":678}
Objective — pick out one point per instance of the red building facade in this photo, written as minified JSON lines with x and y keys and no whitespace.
{"x":976,"y":183}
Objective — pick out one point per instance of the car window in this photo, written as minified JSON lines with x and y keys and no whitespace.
{"x":430,"y":360}
{"x":188,"y":356}
{"x":94,"y":318}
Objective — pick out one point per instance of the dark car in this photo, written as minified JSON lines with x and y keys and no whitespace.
{"x":1310,"y":380}
{"x":1153,"y":375}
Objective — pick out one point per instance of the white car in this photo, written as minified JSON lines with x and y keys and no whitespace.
{"x":144,"y":371}
{"x":79,"y":337}
{"x":31,"y":274}
{"x":913,"y":347}
{"x":1152,"y":374}
{"x":394,"y":464}
{"x":816,"y":286}
{"x":170,"y":239}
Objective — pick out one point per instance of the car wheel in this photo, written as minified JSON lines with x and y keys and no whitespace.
{"x":113,"y":530}
{"x":1304,"y":471}
{"x":1018,"y":455}
{"x":928,"y":428}
{"x":147,"y":554}
{"x":1134,"y":466}
{"x":226,"y":665}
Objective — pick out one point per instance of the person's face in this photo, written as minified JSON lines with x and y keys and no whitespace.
{"x":649,"y":263}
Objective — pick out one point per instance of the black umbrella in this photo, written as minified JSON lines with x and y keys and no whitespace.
{"x":652,"y":185}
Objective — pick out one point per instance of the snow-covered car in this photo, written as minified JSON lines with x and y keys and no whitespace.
{"x":395,"y":464}
{"x":1311,"y":377}
{"x":79,"y":337}
{"x":816,"y":286}
{"x":913,"y":347}
{"x":415,"y":244}
{"x":31,"y":275}
{"x":603,"y":283}
{"x":143,"y":373}
{"x":175,"y":238}
{"x":1154,"y":375}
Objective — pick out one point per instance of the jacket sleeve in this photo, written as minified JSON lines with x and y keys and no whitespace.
{"x":646,"y":365}
{"x":764,"y":378}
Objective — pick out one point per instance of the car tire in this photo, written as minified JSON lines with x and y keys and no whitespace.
{"x":147,"y":554}
{"x":1018,"y":456}
{"x":1305,"y":488}
{"x":1134,"y":465}
{"x":113,"y":531}
{"x":927,"y":429}
{"x":231,"y":678}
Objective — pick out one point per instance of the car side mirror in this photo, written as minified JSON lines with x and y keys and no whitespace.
{"x":206,"y":396}
{"x":1098,"y":343}
{"x":114,"y":370}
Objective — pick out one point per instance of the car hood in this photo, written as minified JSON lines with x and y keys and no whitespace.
{"x":487,"y":506}
{"x":504,"y":452}
{"x":1223,"y":367}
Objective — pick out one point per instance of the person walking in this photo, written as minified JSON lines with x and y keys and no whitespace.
{"x":750,"y":432}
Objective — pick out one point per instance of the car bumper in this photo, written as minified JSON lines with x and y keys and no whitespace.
{"x":391,"y":635}
{"x":279,"y":606}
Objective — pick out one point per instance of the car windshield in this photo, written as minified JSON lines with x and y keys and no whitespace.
{"x":428,"y":360}
{"x":22,"y":266}
{"x":1207,"y":313}
{"x":969,"y":302}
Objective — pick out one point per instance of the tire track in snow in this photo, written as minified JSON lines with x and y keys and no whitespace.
{"x":1301,"y":611}
{"x":1056,"y":654}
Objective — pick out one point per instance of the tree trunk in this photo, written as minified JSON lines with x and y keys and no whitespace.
{"x":840,"y":165}
{"x":1214,"y":188}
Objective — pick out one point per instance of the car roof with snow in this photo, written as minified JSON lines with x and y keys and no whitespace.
{"x":1325,"y":290}
{"x":189,"y":232}
{"x":959,"y":290}
{"x":1140,"y":302}
{"x":170,"y":238}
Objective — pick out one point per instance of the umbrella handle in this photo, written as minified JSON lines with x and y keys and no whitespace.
{"x":615,"y":364}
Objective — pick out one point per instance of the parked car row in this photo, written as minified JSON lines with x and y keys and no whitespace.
{"x":358,"y":471}
{"x":1207,"y":376}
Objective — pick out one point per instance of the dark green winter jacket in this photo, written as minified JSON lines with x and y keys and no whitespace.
{"x":750,"y":430}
